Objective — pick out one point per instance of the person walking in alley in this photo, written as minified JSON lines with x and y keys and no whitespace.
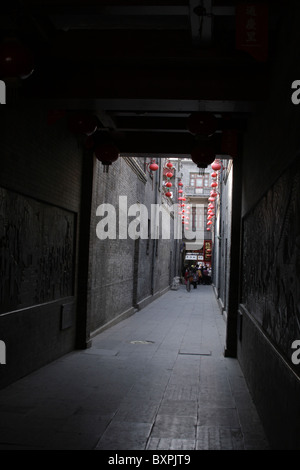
{"x":199,"y":274}
{"x":195,"y":278}
{"x":186,"y":274}
{"x":206,"y":276}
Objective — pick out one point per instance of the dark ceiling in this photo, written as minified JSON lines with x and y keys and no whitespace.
{"x":142,"y":68}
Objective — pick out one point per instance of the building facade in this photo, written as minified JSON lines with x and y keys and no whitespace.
{"x":197,"y":235}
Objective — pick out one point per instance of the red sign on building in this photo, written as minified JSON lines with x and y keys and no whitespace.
{"x":207,"y":250}
{"x":229,"y":144}
{"x":252,"y":29}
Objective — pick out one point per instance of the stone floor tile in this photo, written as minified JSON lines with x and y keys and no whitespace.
{"x":182,"y":392}
{"x":144,"y":411}
{"x":179,"y":427}
{"x":218,"y":417}
{"x":156,"y":443}
{"x":122,"y":435}
{"x":215,"y":438}
{"x":255,"y":441}
{"x":178,"y":408}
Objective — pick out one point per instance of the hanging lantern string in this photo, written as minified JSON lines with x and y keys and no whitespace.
{"x":168,"y":175}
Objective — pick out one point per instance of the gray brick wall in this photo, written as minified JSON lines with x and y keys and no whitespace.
{"x":125,"y":273}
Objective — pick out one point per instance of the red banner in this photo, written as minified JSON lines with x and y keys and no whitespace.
{"x":229,"y":144}
{"x":207,"y":250}
{"x":252,"y":29}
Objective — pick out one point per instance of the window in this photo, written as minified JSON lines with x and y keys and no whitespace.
{"x":199,"y":181}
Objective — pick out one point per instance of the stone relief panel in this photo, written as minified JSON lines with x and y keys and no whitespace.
{"x":36,"y":252}
{"x":271,"y":261}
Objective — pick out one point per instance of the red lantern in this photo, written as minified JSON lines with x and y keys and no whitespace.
{"x":212,"y":199}
{"x":209,"y":222}
{"x":203,"y":155}
{"x":153,"y":166}
{"x":169,"y":165}
{"x":180,"y":184}
{"x":107,"y":153}
{"x":180,"y":191}
{"x":202,"y":123}
{"x":213,"y":194}
{"x":214,"y":175}
{"x":168,"y":194}
{"x":180,"y":199}
{"x":216,"y":165}
{"x":16,"y":60}
{"x":169,"y":174}
{"x":211,"y":206}
{"x":214,"y":185}
{"x":168,"y":184}
{"x":83,"y":123}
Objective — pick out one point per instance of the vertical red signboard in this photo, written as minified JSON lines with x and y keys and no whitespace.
{"x":229,"y":144}
{"x":252,"y":29}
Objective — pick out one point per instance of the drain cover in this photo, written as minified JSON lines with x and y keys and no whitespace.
{"x":141,"y":342}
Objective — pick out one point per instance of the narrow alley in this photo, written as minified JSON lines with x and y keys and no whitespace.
{"x":143,"y":145}
{"x":157,"y":380}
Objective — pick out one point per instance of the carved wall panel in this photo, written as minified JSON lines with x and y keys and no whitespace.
{"x":271,"y":261}
{"x":36,"y":252}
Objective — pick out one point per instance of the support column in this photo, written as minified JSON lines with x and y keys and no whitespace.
{"x":234,"y":281}
{"x":136,"y":272}
{"x":83,"y":340}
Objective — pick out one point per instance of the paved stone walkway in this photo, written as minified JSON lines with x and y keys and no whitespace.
{"x":158,"y":381}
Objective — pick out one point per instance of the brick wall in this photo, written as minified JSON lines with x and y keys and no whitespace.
{"x":124,"y":273}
